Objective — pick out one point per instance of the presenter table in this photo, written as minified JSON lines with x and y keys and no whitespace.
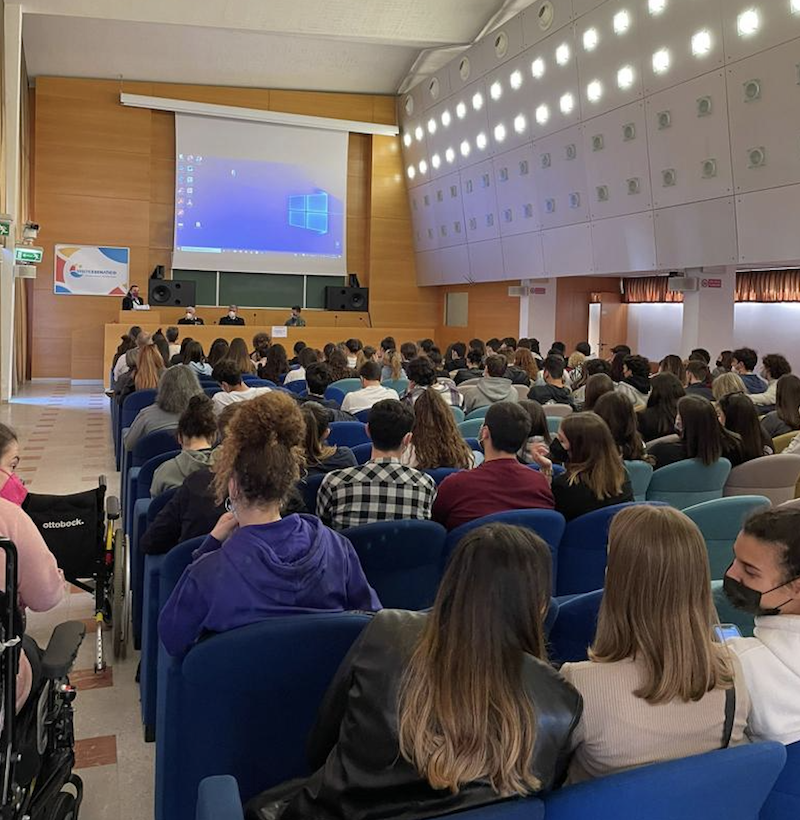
{"x":313,"y":336}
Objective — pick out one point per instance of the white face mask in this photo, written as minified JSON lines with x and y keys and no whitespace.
{"x":189,"y":316}
{"x":231,"y":314}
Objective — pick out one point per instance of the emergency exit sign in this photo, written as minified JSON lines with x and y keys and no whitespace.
{"x":27,"y":255}
{"x":5,"y":227}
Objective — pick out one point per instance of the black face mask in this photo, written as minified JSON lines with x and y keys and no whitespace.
{"x":749,"y":600}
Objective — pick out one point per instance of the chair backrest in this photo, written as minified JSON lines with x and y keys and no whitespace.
{"x":470,"y":428}
{"x":773,"y":476}
{"x":720,"y":521}
{"x":672,"y":438}
{"x":298,"y":386}
{"x":795,"y":502}
{"x":560,"y":410}
{"x":309,"y":487}
{"x":133,"y":403}
{"x":211,"y":391}
{"x":522,"y":390}
{"x":474,"y":444}
{"x":398,"y":385}
{"x":251,"y":380}
{"x":252,"y":724}
{"x":152,"y":445}
{"x":439,"y":474}
{"x":689,"y":482}
{"x":583,"y":551}
{"x":783,"y":801}
{"x":401,"y":559}
{"x":347,"y":385}
{"x":363,"y":415}
{"x":640,"y":473}
{"x":334,"y":394}
{"x":458,"y":413}
{"x":478,"y":413}
{"x":574,"y":629}
{"x":728,"y":784}
{"x":348,"y":433}
{"x":362,"y":452}
{"x":554,"y":424}
{"x":780,"y":443}
{"x":158,"y":503}
{"x":147,"y":470}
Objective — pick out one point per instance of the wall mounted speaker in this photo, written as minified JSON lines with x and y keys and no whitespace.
{"x":171,"y":293}
{"x":350,"y":299}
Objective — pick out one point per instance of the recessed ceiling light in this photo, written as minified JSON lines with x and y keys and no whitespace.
{"x":450,"y":156}
{"x":520,"y":123}
{"x":436,"y":160}
{"x":748,"y":22}
{"x":446,"y":118}
{"x":567,"y":103}
{"x":622,"y":22}
{"x":661,"y":61}
{"x":499,"y":132}
{"x":590,"y":39}
{"x":542,"y":114}
{"x":461,"y":110}
{"x":418,"y":133}
{"x":537,"y":68}
{"x":656,"y":6}
{"x":701,"y":43}
{"x":406,"y":139}
{"x":411,"y":171}
{"x":431,"y":126}
{"x":625,"y":77}
{"x":423,"y":167}
{"x":562,"y":54}
{"x":515,"y":80}
{"x":465,"y":148}
{"x":477,"y":101}
{"x":481,"y":141}
{"x":495,"y":90}
{"x":594,"y":90}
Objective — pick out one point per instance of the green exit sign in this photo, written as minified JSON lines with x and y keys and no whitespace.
{"x":25,"y":254}
{"x":5,"y":228}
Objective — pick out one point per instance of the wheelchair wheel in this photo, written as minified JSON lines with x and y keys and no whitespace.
{"x":119,"y":595}
{"x":65,"y":807}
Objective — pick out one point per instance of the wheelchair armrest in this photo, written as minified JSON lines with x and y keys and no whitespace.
{"x":112,"y":507}
{"x":62,"y":649}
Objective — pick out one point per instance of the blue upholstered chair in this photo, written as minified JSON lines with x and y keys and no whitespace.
{"x":299,"y":386}
{"x":440,"y":473}
{"x":362,"y":452}
{"x":335,"y":395}
{"x":783,"y":802}
{"x":470,"y":428}
{"x":458,"y":413}
{"x":363,"y":415}
{"x":150,"y":446}
{"x":554,"y":424}
{"x":131,"y":406}
{"x":211,"y":391}
{"x":720,"y":522}
{"x":640,"y":473}
{"x":309,"y":487}
{"x":574,"y":628}
{"x":400,"y":386}
{"x":689,"y":482}
{"x":348,"y":433}
{"x":401,"y":559}
{"x":474,"y":444}
{"x":479,"y":413}
{"x":347,"y":385}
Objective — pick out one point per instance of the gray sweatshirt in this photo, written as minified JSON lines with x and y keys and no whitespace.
{"x":489,"y":390}
{"x":172,"y":473}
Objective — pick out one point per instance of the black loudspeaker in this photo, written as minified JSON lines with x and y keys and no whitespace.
{"x":354,"y":299}
{"x":158,"y":272}
{"x":171,"y":293}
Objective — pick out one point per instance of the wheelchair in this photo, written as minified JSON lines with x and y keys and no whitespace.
{"x":80,"y":530}
{"x":36,"y":745}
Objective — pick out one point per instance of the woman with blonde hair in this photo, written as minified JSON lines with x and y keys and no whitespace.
{"x":392,"y":366}
{"x":239,"y":354}
{"x":436,"y":713}
{"x":435,"y":439}
{"x":149,"y":368}
{"x":728,"y":384}
{"x":364,"y":355}
{"x":656,"y":686}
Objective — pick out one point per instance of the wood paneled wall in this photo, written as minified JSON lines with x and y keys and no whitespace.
{"x":572,"y":307}
{"x":491,"y":312}
{"x":104,"y":175}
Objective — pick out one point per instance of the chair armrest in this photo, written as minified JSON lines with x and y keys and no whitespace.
{"x":62,"y":649}
{"x":218,"y":799}
{"x":112,"y":507}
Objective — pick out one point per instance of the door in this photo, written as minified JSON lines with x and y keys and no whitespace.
{"x":613,"y":324}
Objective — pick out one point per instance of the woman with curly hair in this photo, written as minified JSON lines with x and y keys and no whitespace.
{"x":435,"y":439}
{"x":256,"y":564}
{"x":337,"y":360}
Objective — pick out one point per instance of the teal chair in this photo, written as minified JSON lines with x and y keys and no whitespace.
{"x":347,"y":385}
{"x":720,"y":522}
{"x":458,"y":413}
{"x":554,"y":424}
{"x":479,"y":413}
{"x":640,"y":474}
{"x":689,"y":482}
{"x":398,"y":385}
{"x":470,"y":428}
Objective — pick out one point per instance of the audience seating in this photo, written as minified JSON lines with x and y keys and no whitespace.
{"x":158,"y":503}
{"x":458,"y":414}
{"x":362,"y":452}
{"x":149,"y":446}
{"x":720,"y":522}
{"x":554,"y":424}
{"x":474,"y":444}
{"x":640,"y":474}
{"x":559,"y":410}
{"x":574,"y":629}
{"x":795,"y":502}
{"x":470,"y":428}
{"x":401,"y":559}
{"x":478,"y":413}
{"x":348,"y":433}
{"x":131,"y":406}
{"x":689,"y":482}
{"x":251,"y":380}
{"x":783,"y":802}
{"x":243,"y":703}
{"x":400,"y":386}
{"x":334,"y":394}
{"x":728,"y":614}
{"x":780,"y":443}
{"x":140,"y":479}
{"x":441,"y":473}
{"x":309,"y":487}
{"x":211,"y":391}
{"x":773,"y":476}
{"x":670,"y":439}
{"x":363,"y":415}
{"x":298,"y":387}
{"x":347,"y":385}
{"x":522,"y":390}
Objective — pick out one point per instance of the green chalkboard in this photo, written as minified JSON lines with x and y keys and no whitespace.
{"x":315,"y":289}
{"x":264,"y":290}
{"x":206,"y":281}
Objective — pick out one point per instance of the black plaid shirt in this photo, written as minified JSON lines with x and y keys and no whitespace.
{"x":379,"y":490}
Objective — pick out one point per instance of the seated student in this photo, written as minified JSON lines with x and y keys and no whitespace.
{"x":276,"y":366}
{"x":194,"y":358}
{"x":172,"y":340}
{"x":232,"y":317}
{"x":674,"y":364}
{"x":723,"y":364}
{"x":234,"y":390}
{"x":296,"y":348}
{"x":217,"y":352}
{"x":522,"y":367}
{"x":501,"y":483}
{"x":743,"y":363}
{"x":554,"y":390}
{"x":319,"y":378}
{"x":422,"y":375}
{"x":238,"y":353}
{"x":593,"y":367}
{"x":320,"y":456}
{"x":575,"y":364}
{"x":596,"y":386}
{"x":197,"y":432}
{"x":371,"y":392}
{"x":635,"y":384}
{"x":701,"y":436}
{"x":178,"y":358}
{"x":123,"y":386}
{"x":474,"y":368}
{"x":494,"y":387}
{"x":698,"y":379}
{"x":437,"y":360}
{"x":261,"y":344}
{"x":435,"y":439}
{"x":595,"y":476}
{"x":176,"y":387}
{"x":190,"y":318}
{"x":353,"y":347}
{"x":255,"y":563}
{"x":387,"y":344}
{"x":307,"y":356}
{"x":408,"y":352}
{"x":773,"y":366}
{"x":620,"y":417}
{"x":430,"y":715}
{"x":383,"y":489}
{"x":337,"y":361}
{"x":455,"y":357}
{"x":391,"y":366}
{"x":658,"y":418}
{"x":785,"y":418}
{"x":369,"y":354}
{"x":726,"y":384}
{"x":763,"y":581}
{"x":738,"y":414}
{"x":656,"y":686}
{"x":539,"y":432}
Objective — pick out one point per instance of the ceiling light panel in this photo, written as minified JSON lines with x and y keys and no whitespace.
{"x":751,"y":26}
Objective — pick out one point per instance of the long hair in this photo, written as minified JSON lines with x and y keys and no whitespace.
{"x":703,"y":434}
{"x":596,"y":386}
{"x":617,"y":364}
{"x":538,"y":420}
{"x":395,"y":361}
{"x":463,"y":713}
{"x":664,"y":620}
{"x":338,"y":364}
{"x":366,"y":354}
{"x":618,"y":413}
{"x":276,"y":365}
{"x":149,"y":368}
{"x":436,"y":439}
{"x":238,"y":352}
{"x":523,"y":359}
{"x":218,"y":351}
{"x":665,"y":392}
{"x":741,"y":418}
{"x":175,"y":387}
{"x":787,"y":401}
{"x":726,"y":384}
{"x":594,"y":459}
{"x":317,"y":419}
{"x":673,"y":364}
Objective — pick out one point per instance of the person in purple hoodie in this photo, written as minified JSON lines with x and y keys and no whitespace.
{"x":255,"y":563}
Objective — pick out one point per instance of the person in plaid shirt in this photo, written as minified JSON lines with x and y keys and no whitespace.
{"x":383,"y":488}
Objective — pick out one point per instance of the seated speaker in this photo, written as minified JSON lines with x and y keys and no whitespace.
{"x":171,"y":293}
{"x":347,"y":299}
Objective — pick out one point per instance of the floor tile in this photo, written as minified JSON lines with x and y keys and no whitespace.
{"x":96,"y":751}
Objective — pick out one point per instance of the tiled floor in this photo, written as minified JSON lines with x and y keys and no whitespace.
{"x":65,"y":444}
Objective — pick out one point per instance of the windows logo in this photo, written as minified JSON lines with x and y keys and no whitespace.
{"x":310,"y":212}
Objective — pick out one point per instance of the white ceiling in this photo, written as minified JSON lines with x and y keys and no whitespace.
{"x":362,"y":46}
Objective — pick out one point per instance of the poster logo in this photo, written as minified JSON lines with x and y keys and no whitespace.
{"x":91,"y":270}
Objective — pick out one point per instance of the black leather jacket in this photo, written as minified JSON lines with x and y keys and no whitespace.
{"x":360,"y":774}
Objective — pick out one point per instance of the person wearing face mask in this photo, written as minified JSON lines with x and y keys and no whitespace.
{"x":11,"y":487}
{"x":764,"y":580}
{"x":256,"y":563}
{"x":190,"y":318}
{"x":232,"y":317}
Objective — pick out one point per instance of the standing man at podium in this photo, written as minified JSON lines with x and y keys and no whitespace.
{"x":131,"y":299}
{"x":232,"y":317}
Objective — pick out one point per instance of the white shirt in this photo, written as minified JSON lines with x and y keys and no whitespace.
{"x":120,"y":367}
{"x":174,"y":350}
{"x":351,"y":361}
{"x":222,"y":400}
{"x":296,"y":375}
{"x":363,"y":399}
